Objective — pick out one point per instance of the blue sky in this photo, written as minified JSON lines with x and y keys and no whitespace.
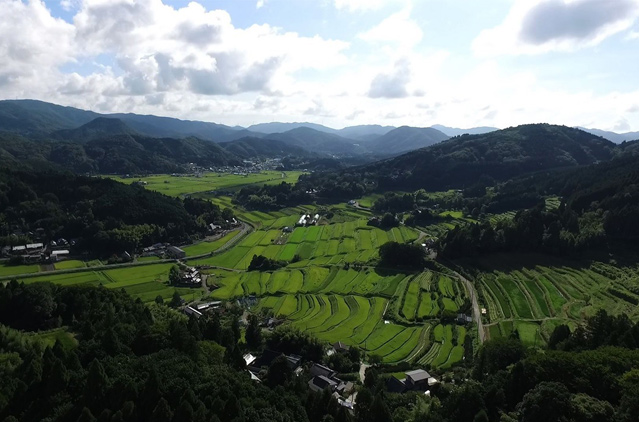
{"x":336,"y":62}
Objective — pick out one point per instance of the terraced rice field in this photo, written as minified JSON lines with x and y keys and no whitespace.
{"x":315,"y":279}
{"x":354,"y":320}
{"x":447,"y":346}
{"x":427,"y":296}
{"x":533,"y":300}
{"x":334,"y":244}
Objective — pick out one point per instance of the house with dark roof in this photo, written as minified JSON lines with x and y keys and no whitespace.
{"x":340,"y":347}
{"x":321,"y":370}
{"x":321,"y":382}
{"x":394,"y":385}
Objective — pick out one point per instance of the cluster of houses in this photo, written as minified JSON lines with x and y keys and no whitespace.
{"x":307,"y":220}
{"x":322,"y":377}
{"x":38,"y":251}
{"x":162,"y":249}
{"x":190,"y":277}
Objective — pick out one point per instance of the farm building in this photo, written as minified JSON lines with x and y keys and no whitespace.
{"x":175,"y":252}
{"x":192,"y":311}
{"x":417,"y":380}
{"x":340,"y":347}
{"x":56,"y":255}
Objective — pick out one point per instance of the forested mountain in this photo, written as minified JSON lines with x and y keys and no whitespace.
{"x":115,"y":154}
{"x":405,"y":139}
{"x":264,"y":148}
{"x":38,"y":118}
{"x":462,"y":161}
{"x":99,"y":128}
{"x":319,"y":142}
{"x":31,"y":117}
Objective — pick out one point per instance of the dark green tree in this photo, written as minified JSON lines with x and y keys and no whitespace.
{"x":253,"y":333}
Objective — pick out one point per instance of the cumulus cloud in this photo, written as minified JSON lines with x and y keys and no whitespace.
{"x":392,"y":85}
{"x":398,"y":29}
{"x":556,"y":25}
{"x":31,"y":40}
{"x":153,"y":48}
{"x":260,"y":4}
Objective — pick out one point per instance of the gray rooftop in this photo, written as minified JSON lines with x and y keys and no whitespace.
{"x":418,"y":375}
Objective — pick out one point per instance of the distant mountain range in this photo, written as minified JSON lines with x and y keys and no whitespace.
{"x":87,"y":141}
{"x":617,"y":138}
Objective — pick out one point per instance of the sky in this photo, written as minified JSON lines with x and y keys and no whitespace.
{"x":460,"y":63}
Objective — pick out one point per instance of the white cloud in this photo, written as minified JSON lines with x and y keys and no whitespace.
{"x":398,"y":29}
{"x":393,"y":84}
{"x":69,"y":5}
{"x":157,"y":49}
{"x":539,"y":26}
{"x":31,"y":40}
{"x":260,"y":4}
{"x":365,"y":5}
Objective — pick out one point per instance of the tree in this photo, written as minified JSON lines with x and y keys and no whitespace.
{"x":162,"y":412}
{"x":253,"y":332}
{"x":559,"y":334}
{"x":174,"y":275}
{"x":393,"y":254}
{"x":379,"y":410}
{"x":548,"y":402}
{"x":279,"y":373}
{"x":97,"y":383}
{"x":176,"y":300}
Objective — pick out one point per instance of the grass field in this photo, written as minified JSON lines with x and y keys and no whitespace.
{"x":9,"y":270}
{"x":70,"y":264}
{"x":180,"y":185}
{"x":144,"y":282}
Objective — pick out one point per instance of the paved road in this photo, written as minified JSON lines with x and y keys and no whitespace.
{"x":476,"y":311}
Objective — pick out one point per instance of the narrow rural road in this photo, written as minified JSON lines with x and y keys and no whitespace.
{"x":476,"y":311}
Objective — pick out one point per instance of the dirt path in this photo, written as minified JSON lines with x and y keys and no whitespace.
{"x":362,"y":371}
